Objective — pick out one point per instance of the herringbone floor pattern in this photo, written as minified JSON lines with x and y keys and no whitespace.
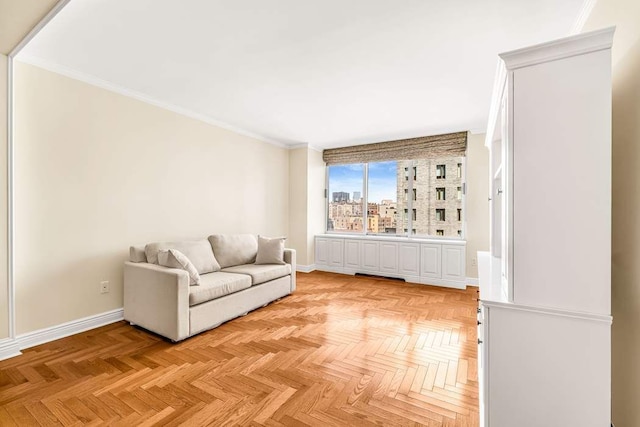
{"x":341,"y":350}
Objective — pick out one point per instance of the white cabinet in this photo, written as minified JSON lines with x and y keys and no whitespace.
{"x":430,"y":261}
{"x":352,"y":254}
{"x":336,"y":253}
{"x":389,"y":257}
{"x":370,"y":255}
{"x":322,"y":251}
{"x":453,"y":265}
{"x":329,"y":253}
{"x":426,"y":261}
{"x":409,"y":259}
{"x":545,"y":312}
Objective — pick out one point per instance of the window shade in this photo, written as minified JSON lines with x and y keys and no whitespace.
{"x":425,"y":147}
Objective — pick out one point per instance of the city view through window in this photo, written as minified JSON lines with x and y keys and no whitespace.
{"x":434,"y":208}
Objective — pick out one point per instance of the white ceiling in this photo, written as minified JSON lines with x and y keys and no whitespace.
{"x":324,"y":72}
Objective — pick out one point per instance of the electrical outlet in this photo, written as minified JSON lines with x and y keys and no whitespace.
{"x":474,"y":261}
{"x":104,"y":287}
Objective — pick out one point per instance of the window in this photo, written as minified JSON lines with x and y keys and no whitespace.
{"x":395,"y":197}
{"x":413,"y":214}
{"x":345,"y":213}
{"x":382,"y":197}
{"x":459,"y":170}
{"x":439,"y":232}
{"x":406,"y":173}
{"x":406,"y":193}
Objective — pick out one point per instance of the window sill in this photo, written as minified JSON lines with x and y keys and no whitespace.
{"x":379,"y":237}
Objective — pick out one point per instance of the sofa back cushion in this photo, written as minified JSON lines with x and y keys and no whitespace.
{"x":197,"y":251}
{"x":136,"y":254}
{"x":234,"y":249}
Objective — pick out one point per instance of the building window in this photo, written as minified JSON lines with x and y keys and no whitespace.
{"x":439,"y":214}
{"x":459,"y":170}
{"x":406,"y":192}
{"x":441,"y":193}
{"x":459,"y":189}
{"x":441,"y":171}
{"x":459,"y":214}
{"x":439,"y":232}
{"x":413,"y":214}
{"x":406,"y":173}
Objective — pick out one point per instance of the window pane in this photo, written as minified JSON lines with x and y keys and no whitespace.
{"x":345,"y":198}
{"x":382,"y":195}
{"x":438,"y":197}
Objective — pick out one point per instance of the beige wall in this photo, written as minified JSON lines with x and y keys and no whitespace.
{"x":625,"y":15}
{"x":96,"y":172}
{"x":17,"y":18}
{"x":477,"y":205}
{"x":4,"y":308}
{"x":297,"y":237}
{"x":306,"y":203}
{"x":315,"y":201}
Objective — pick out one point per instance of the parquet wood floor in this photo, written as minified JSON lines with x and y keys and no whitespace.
{"x":341,"y":350}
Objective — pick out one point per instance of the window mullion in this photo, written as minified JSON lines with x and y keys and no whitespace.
{"x":365,"y":199}
{"x":410,"y":198}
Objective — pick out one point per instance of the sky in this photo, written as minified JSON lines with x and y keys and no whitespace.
{"x":383,"y":182}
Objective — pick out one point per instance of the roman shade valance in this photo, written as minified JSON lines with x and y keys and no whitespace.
{"x":424,"y":147}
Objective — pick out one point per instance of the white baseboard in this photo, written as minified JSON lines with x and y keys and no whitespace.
{"x":305,"y":268}
{"x":63,"y":330}
{"x":473,"y":281}
{"x":9,"y":348}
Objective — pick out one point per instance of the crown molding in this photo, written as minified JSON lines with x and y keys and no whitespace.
{"x":39,"y":26}
{"x":562,"y":48}
{"x":305,"y":145}
{"x":112,"y":87}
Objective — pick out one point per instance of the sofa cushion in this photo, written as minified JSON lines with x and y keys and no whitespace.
{"x":198,"y":251}
{"x":216,"y":285}
{"x":260,"y":273}
{"x":234,"y":249}
{"x":270,"y":250}
{"x":173,"y":258}
{"x":136,"y":254}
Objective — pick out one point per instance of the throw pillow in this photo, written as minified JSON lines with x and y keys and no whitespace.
{"x":175,"y":259}
{"x":270,"y":251}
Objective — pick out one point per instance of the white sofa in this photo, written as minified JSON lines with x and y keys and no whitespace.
{"x":161,"y":300}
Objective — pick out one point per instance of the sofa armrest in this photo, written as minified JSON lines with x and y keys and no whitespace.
{"x":157,"y":298}
{"x":290,"y":258}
